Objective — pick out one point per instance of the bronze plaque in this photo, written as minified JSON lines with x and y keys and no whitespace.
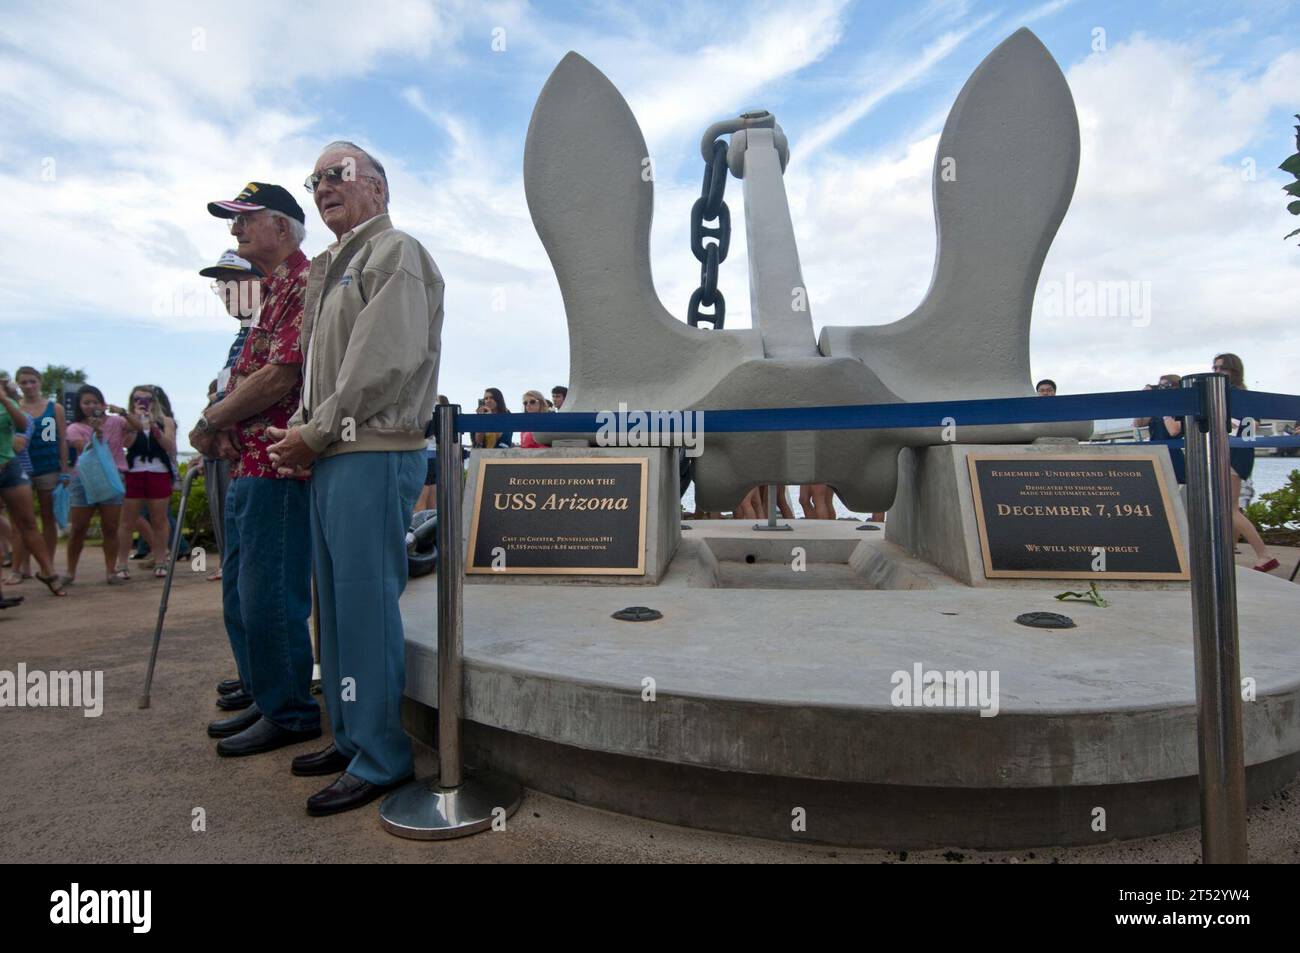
{"x":559,"y":515}
{"x":1084,"y":516}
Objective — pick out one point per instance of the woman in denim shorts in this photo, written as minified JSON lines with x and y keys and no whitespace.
{"x":45,"y":459}
{"x":16,"y":487}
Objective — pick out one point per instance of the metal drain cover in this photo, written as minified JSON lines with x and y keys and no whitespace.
{"x":638,"y":614}
{"x":1046,"y":620}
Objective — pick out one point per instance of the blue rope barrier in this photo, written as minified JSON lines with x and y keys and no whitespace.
{"x":963,"y":413}
{"x":1263,"y":405}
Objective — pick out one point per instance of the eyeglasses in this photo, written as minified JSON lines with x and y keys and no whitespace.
{"x":334,"y":175}
{"x":244,"y":218}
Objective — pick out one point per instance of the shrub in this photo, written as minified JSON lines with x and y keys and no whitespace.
{"x":197,"y":523}
{"x":1279,"y":511}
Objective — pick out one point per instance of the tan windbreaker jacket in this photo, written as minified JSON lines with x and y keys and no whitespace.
{"x":371,"y":332}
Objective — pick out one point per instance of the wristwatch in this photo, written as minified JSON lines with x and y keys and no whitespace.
{"x":203,"y":426}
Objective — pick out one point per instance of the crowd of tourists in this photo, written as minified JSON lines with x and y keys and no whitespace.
{"x":1241,"y":460}
{"x":1169,"y":430}
{"x":114,"y":461}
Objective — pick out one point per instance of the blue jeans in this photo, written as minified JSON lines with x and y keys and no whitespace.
{"x":266,"y":594}
{"x":360,"y":509}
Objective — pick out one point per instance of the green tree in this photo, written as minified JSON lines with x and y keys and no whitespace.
{"x":56,"y":375}
{"x":1292,"y":165}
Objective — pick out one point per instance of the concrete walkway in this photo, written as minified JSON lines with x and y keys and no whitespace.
{"x":124,"y":786}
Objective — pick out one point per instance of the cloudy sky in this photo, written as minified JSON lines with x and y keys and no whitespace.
{"x":120,"y":123}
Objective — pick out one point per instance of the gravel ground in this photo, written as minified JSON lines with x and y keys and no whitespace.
{"x":124,"y":787}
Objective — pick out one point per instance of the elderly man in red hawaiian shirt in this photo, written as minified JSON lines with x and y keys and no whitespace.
{"x":266,"y":581}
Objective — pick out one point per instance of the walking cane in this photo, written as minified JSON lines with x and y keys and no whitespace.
{"x":315,"y":634}
{"x":167,"y":584}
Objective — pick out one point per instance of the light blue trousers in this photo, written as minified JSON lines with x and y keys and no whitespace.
{"x":361,"y":507}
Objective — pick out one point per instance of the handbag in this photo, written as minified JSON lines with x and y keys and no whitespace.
{"x":98,"y":473}
{"x":62,"y":504}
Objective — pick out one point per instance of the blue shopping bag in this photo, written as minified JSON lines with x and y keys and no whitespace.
{"x":62,"y":504}
{"x":98,"y":473}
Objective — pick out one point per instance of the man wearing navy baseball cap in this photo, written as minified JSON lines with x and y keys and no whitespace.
{"x":257,"y":196}
{"x":266,"y":563}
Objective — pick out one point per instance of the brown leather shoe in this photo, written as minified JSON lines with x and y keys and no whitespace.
{"x":345,"y":794}
{"x":329,"y":761}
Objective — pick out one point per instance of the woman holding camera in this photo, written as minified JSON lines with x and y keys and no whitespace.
{"x":113,"y":429}
{"x":1167,"y":430}
{"x":148,"y":477}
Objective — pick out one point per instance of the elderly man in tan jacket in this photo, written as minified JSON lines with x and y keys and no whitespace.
{"x":371,"y":328}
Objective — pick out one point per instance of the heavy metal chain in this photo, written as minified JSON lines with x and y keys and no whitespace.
{"x":707,"y":207}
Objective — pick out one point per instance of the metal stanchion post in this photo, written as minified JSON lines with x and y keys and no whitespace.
{"x":1214,"y":625}
{"x":772,"y":524}
{"x":453,"y":804}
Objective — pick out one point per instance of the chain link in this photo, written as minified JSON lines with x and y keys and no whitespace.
{"x":707,"y":207}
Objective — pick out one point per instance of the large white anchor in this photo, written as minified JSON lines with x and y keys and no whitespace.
{"x":1004,"y":173}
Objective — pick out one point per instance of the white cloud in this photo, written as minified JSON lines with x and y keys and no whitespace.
{"x":675,"y":91}
{"x":1161,"y":199}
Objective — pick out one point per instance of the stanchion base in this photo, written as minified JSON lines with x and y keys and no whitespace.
{"x":778,"y":528}
{"x":422,"y":810}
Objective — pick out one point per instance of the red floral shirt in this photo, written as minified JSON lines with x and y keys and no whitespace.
{"x":273,"y":338}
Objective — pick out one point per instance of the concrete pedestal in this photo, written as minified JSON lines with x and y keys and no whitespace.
{"x":748,"y":700}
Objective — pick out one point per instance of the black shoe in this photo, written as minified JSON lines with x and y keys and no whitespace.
{"x":329,"y":761}
{"x":347,"y":792}
{"x":225,"y":727}
{"x":235,"y":701}
{"x":230,"y":686}
{"x":264,"y":735}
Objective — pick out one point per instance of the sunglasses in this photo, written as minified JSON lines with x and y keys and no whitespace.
{"x":531,"y":400}
{"x":334,"y":175}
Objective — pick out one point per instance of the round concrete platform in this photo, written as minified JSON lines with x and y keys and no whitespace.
{"x":743,"y":705}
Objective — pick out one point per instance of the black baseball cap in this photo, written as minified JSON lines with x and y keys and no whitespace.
{"x":257,"y":196}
